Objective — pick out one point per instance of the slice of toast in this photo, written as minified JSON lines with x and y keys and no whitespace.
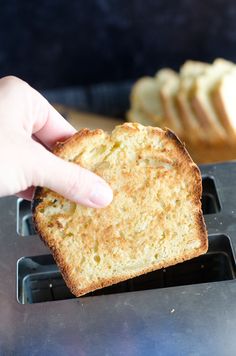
{"x":145,"y":98}
{"x":169,"y":85}
{"x":201,"y":99}
{"x":155,"y":219}
{"x":224,"y":100}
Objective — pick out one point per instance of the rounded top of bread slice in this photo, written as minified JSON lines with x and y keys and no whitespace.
{"x":145,"y":97}
{"x":155,"y":218}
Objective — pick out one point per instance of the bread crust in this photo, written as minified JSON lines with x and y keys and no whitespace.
{"x":181,"y":154}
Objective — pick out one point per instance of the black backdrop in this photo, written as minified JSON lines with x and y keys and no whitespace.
{"x":56,"y":43}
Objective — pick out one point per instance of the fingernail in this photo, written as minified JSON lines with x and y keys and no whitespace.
{"x":101,"y":194}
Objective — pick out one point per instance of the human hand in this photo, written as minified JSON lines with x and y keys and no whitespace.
{"x":25,"y":118}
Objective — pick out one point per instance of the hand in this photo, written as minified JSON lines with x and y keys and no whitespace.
{"x":27,"y":124}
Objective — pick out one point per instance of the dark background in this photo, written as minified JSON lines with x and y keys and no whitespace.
{"x":56,"y":43}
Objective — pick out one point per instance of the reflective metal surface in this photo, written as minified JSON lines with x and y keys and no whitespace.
{"x":174,"y":318}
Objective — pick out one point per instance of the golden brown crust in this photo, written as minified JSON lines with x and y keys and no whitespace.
{"x":78,"y":137}
{"x":74,"y":233}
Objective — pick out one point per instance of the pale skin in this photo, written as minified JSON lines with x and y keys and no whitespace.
{"x":29,"y":129}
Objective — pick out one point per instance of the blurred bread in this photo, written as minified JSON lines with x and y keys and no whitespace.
{"x":224,"y":99}
{"x":202,"y":103}
{"x":154,"y":221}
{"x":193,"y":68}
{"x":189,"y":71}
{"x":146,"y":99}
{"x":169,"y":86}
{"x":136,"y":115}
{"x":198,"y":105}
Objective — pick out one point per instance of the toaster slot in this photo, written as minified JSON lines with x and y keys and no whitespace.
{"x":24,"y":222}
{"x":210,"y":199}
{"x":39,"y":279}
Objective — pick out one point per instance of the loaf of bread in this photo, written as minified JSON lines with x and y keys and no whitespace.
{"x":154,"y":221}
{"x":198,"y":104}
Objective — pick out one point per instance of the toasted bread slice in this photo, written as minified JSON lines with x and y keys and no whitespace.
{"x":146,"y":99}
{"x":169,"y":85}
{"x":224,"y":99}
{"x":202,"y":103}
{"x":192,"y":126}
{"x":155,"y":219}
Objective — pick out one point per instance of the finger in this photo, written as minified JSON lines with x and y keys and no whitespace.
{"x":50,"y":126}
{"x":27,"y":194}
{"x":71,"y":181}
{"x":37,"y":140}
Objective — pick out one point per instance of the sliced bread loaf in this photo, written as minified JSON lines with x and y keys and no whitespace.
{"x":154,"y":221}
{"x":201,"y":99}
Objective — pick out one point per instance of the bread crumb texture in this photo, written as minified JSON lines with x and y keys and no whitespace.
{"x":154,"y":221}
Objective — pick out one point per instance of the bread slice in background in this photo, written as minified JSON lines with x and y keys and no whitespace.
{"x":201,"y":99}
{"x":145,"y":98}
{"x":155,"y":219}
{"x":224,"y":100}
{"x":194,"y":130}
{"x":168,"y":81}
{"x":192,"y":68}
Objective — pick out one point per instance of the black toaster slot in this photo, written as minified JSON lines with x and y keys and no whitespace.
{"x":210,"y":199}
{"x":39,"y":279}
{"x":24,"y":222}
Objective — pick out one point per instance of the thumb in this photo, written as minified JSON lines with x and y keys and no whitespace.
{"x":71,"y":181}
